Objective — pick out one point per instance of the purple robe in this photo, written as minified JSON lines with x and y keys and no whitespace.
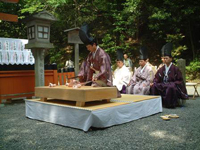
{"x":83,"y":71}
{"x":172,"y":88}
{"x":101,"y":63}
{"x":140,"y":82}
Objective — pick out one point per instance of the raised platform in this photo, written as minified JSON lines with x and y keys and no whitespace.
{"x":98,"y":114}
{"x":79,"y":95}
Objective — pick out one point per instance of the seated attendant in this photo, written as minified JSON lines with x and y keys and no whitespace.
{"x":121,"y":76}
{"x":168,"y":81}
{"x":140,"y":82}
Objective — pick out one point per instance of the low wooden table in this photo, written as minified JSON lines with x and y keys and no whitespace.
{"x":80,"y":95}
{"x":195,"y":88}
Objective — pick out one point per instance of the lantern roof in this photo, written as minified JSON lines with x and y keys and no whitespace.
{"x":71,"y":29}
{"x":43,"y":15}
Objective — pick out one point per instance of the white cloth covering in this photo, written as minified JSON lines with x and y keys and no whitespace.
{"x":83,"y":119}
{"x":12,"y":51}
{"x":121,"y":76}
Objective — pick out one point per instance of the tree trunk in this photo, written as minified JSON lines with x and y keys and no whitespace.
{"x":191,"y":41}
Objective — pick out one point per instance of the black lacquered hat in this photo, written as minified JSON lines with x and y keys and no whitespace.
{"x":143,"y":53}
{"x":167,"y":49}
{"x":85,"y":35}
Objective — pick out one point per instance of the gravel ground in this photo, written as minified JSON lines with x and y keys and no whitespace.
{"x":151,"y":133}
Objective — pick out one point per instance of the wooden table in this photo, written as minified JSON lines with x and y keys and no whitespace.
{"x":195,"y":88}
{"x":80,"y":95}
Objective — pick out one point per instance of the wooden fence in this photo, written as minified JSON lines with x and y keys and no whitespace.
{"x":14,"y":84}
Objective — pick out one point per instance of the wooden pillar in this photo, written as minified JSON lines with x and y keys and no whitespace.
{"x":181,"y":63}
{"x":76,"y":59}
{"x":55,"y":77}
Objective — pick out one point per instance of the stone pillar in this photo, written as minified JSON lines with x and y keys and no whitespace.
{"x":181,"y":63}
{"x":76,"y":59}
{"x":39,"y":66}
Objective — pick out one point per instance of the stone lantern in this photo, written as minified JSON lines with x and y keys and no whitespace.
{"x":73,"y":37}
{"x":38,"y":32}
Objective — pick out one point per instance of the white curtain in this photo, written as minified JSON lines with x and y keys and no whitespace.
{"x":12,"y":51}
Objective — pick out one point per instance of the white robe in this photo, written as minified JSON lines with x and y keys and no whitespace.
{"x":121,"y":76}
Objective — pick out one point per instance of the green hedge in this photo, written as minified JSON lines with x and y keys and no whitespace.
{"x":193,"y":70}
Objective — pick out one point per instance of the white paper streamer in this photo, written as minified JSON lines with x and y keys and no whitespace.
{"x":12,"y":51}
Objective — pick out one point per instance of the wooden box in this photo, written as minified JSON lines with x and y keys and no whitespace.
{"x":80,"y":95}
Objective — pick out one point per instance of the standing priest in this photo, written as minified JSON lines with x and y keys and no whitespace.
{"x":168,"y":81}
{"x":140,"y":82}
{"x":98,"y":64}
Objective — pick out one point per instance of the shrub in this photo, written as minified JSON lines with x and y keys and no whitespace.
{"x":193,"y":70}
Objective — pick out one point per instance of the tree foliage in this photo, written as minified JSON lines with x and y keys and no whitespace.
{"x":193,"y":70}
{"x":120,"y":26}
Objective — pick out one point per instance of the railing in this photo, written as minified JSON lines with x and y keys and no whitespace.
{"x":14,"y":84}
{"x":63,"y":77}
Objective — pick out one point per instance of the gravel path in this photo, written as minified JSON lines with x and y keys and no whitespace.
{"x":151,"y":133}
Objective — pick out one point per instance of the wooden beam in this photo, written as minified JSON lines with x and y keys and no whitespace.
{"x":8,"y":17}
{"x":10,"y":1}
